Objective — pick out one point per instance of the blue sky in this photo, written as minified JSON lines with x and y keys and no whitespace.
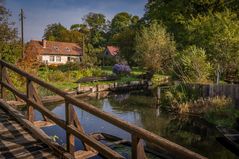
{"x":40,"y":13}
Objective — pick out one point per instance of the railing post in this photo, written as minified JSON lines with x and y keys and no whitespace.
{"x":3,"y":78}
{"x":137,"y":148}
{"x":30,"y":109}
{"x":70,"y":141}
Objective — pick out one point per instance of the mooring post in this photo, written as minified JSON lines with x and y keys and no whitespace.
{"x":78,"y":88}
{"x":158,"y":95}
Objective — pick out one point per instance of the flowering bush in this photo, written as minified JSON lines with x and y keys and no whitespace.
{"x":121,"y":69}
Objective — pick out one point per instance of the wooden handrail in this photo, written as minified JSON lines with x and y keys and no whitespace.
{"x":136,"y":131}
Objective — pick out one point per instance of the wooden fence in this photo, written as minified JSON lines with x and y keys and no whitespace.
{"x":212,"y":90}
{"x":72,"y":125}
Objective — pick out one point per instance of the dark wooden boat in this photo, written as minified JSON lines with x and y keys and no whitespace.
{"x":229,"y":139}
{"x":114,"y":142}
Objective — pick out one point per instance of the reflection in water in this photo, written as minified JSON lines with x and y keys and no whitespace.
{"x":140,"y":109}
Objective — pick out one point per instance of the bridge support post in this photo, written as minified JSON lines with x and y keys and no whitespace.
{"x":137,"y":148}
{"x":70,"y":141}
{"x":30,"y":109}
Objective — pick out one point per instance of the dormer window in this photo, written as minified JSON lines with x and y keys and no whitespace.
{"x":68,"y":49}
{"x":56,"y":48}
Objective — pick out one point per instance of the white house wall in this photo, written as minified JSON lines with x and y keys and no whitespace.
{"x":64,"y":59}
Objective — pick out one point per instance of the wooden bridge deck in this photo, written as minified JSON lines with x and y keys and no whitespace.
{"x":18,"y":142}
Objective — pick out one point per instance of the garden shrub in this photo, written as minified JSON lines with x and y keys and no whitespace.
{"x":191,"y":65}
{"x":121,"y":69}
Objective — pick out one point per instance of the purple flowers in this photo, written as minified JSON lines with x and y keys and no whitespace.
{"x":121,"y":69}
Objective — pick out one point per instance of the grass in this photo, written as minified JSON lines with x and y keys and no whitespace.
{"x":66,"y":80}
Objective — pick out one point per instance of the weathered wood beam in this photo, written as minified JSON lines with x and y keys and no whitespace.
{"x":100,"y":147}
{"x":70,"y":141}
{"x":137,"y":148}
{"x":38,"y":133}
{"x":30,"y":110}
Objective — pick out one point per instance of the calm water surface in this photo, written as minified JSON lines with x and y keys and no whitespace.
{"x":139,"y":108}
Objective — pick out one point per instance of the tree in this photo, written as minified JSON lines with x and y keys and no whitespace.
{"x":75,"y":27}
{"x":125,"y":40}
{"x":10,"y":48}
{"x":155,"y":48}
{"x":218,"y":34}
{"x":175,"y":13}
{"x":96,"y":23}
{"x":57,"y":32}
{"x":121,"y":21}
{"x":191,"y":65}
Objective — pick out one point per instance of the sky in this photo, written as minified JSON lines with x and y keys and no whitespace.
{"x":40,"y":13}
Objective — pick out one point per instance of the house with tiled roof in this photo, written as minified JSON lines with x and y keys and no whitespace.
{"x":53,"y":52}
{"x":111,"y":55}
{"x":111,"y":51}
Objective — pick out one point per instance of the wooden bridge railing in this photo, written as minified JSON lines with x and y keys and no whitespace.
{"x":71,"y":124}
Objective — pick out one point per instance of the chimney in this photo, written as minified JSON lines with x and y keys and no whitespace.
{"x":44,"y":43}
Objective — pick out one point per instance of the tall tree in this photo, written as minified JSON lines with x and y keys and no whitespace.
{"x":175,"y":13}
{"x":54,"y":32}
{"x":57,"y":32}
{"x":218,"y":34}
{"x":10,"y":48}
{"x":97,"y":25}
{"x":155,"y":48}
{"x":120,"y":21}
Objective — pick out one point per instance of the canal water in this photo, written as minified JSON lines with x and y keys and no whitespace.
{"x":139,"y":108}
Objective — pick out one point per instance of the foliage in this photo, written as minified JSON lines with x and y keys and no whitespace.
{"x":175,"y":13}
{"x":174,"y":96}
{"x":122,"y":21}
{"x":218,"y":34}
{"x":121,"y":69}
{"x":155,"y":48}
{"x":222,"y":112}
{"x":125,"y":40}
{"x":122,"y":32}
{"x":191,"y":65}
{"x":57,"y":32}
{"x":10,"y":49}
{"x":97,"y":26}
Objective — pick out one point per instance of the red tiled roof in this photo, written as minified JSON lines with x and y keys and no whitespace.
{"x":56,"y":48}
{"x":113,"y":50}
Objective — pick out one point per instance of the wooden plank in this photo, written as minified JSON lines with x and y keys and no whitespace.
{"x":41,"y":124}
{"x":84,"y":154}
{"x":43,"y":110}
{"x":101,"y":148}
{"x":38,"y":133}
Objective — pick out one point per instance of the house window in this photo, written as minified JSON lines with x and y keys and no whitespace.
{"x":52,"y":58}
{"x":58,"y":58}
{"x":68,"y":59}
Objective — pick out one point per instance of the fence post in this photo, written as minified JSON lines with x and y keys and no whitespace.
{"x":70,"y":141}
{"x":30,"y":109}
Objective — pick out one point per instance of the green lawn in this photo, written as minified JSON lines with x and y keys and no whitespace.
{"x":66,"y":80}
